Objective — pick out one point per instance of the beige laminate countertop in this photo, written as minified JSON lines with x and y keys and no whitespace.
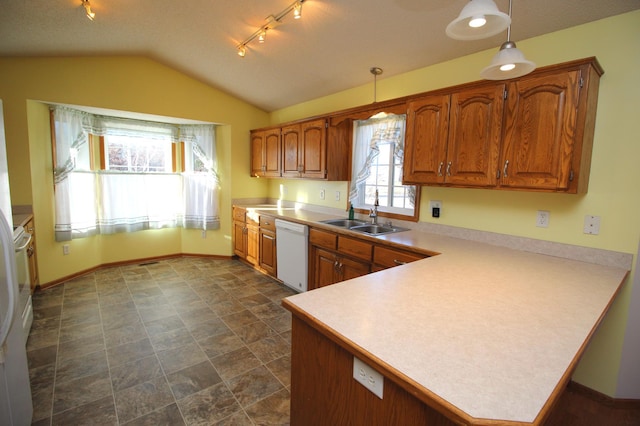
{"x":490,"y":330}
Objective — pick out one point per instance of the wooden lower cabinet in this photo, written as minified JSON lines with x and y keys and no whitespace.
{"x":330,"y":268}
{"x":324,"y":392}
{"x":245,"y":236}
{"x":267,"y":245}
{"x":386,"y":257}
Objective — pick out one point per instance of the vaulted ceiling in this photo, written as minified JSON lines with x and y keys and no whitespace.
{"x":330,"y":49}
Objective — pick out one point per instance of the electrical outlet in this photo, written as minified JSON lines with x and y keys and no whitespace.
{"x":368,"y":377}
{"x":65,"y":249}
{"x":542,"y":219}
{"x":337,"y":195}
{"x":322,"y":194}
{"x":592,"y":225}
{"x":204,"y":234}
{"x":436,"y":208}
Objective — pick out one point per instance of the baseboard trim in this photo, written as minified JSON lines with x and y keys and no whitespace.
{"x":125,"y":263}
{"x":616,"y":403}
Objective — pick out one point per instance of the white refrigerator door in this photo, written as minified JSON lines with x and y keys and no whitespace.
{"x":16,"y":408}
{"x":5,"y":196}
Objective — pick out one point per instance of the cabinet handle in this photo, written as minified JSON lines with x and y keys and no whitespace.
{"x":449,"y":168}
{"x":440,"y":168}
{"x":399,"y":262}
{"x":30,"y":251}
{"x":335,"y":266}
{"x":504,"y":171}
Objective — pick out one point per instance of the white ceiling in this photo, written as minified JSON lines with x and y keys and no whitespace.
{"x":330,"y":49}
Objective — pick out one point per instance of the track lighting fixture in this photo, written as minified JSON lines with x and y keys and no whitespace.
{"x":509,"y":62}
{"x":297,"y":10}
{"x":478,"y":19}
{"x":272,"y":22}
{"x":87,"y":9}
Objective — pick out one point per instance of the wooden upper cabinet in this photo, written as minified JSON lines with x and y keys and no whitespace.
{"x":425,"y":151}
{"x":257,"y":152}
{"x":272,"y":153}
{"x":291,"y":151}
{"x":549,"y":131}
{"x":314,"y":149}
{"x":265,"y":153}
{"x":475,"y":129}
{"x":304,"y":150}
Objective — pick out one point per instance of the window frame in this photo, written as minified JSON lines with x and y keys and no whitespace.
{"x":382,"y":210}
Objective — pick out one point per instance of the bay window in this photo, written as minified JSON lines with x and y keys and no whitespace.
{"x":139,"y":184}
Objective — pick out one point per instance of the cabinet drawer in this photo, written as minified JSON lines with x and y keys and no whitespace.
{"x":323,"y":239}
{"x":389,"y":257}
{"x":356,"y":248}
{"x":268,"y":223}
{"x":239,"y":214}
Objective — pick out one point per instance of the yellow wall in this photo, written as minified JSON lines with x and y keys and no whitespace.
{"x":127,"y":84}
{"x":613,"y":190}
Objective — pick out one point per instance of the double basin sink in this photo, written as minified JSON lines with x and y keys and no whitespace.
{"x":363,"y":227}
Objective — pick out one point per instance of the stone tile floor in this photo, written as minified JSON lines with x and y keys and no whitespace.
{"x":192,"y":341}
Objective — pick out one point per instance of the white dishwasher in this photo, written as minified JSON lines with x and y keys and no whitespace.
{"x":292,"y":254}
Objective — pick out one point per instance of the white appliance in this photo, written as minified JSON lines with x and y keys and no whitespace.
{"x":16,"y":408}
{"x":292,"y":254}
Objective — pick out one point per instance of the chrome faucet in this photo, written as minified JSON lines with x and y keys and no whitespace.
{"x":373,"y":213}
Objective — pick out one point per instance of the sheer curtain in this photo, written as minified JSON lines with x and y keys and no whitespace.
{"x":369,"y":135}
{"x":88,"y":202}
{"x":200,"y":180}
{"x":74,"y":183}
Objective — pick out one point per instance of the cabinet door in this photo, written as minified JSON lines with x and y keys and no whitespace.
{"x":268,"y":251}
{"x":351,"y":269}
{"x":291,"y":151}
{"x":425,"y":146}
{"x":253,"y":245}
{"x":475,"y":129}
{"x":239,"y":239}
{"x":540,"y":131}
{"x":324,"y":268}
{"x":339,"y":135}
{"x":272,"y":152}
{"x":257,"y":153}
{"x":314,"y":149}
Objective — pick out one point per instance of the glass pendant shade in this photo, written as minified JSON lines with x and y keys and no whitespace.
{"x":508,"y":63}
{"x":468,"y":25}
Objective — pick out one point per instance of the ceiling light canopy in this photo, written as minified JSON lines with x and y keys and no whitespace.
{"x":87,"y":9}
{"x":478,"y":19}
{"x":272,"y":22}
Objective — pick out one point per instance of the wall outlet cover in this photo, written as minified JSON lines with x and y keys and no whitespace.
{"x":368,"y":377}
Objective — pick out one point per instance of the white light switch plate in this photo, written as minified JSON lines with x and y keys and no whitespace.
{"x":368,"y":377}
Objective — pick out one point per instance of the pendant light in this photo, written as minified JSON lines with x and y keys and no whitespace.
{"x":478,"y":19}
{"x":509,"y":62}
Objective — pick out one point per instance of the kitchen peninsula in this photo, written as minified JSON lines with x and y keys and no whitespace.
{"x":479,"y":334}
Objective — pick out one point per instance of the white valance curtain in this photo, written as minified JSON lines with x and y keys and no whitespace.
{"x":91,"y":202}
{"x":369,"y":136}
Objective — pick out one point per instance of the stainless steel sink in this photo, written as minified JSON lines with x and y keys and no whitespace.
{"x":363,"y":227}
{"x":344,"y":223}
{"x":372,"y":229}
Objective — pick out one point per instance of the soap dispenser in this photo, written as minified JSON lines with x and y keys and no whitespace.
{"x":351,"y":212}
